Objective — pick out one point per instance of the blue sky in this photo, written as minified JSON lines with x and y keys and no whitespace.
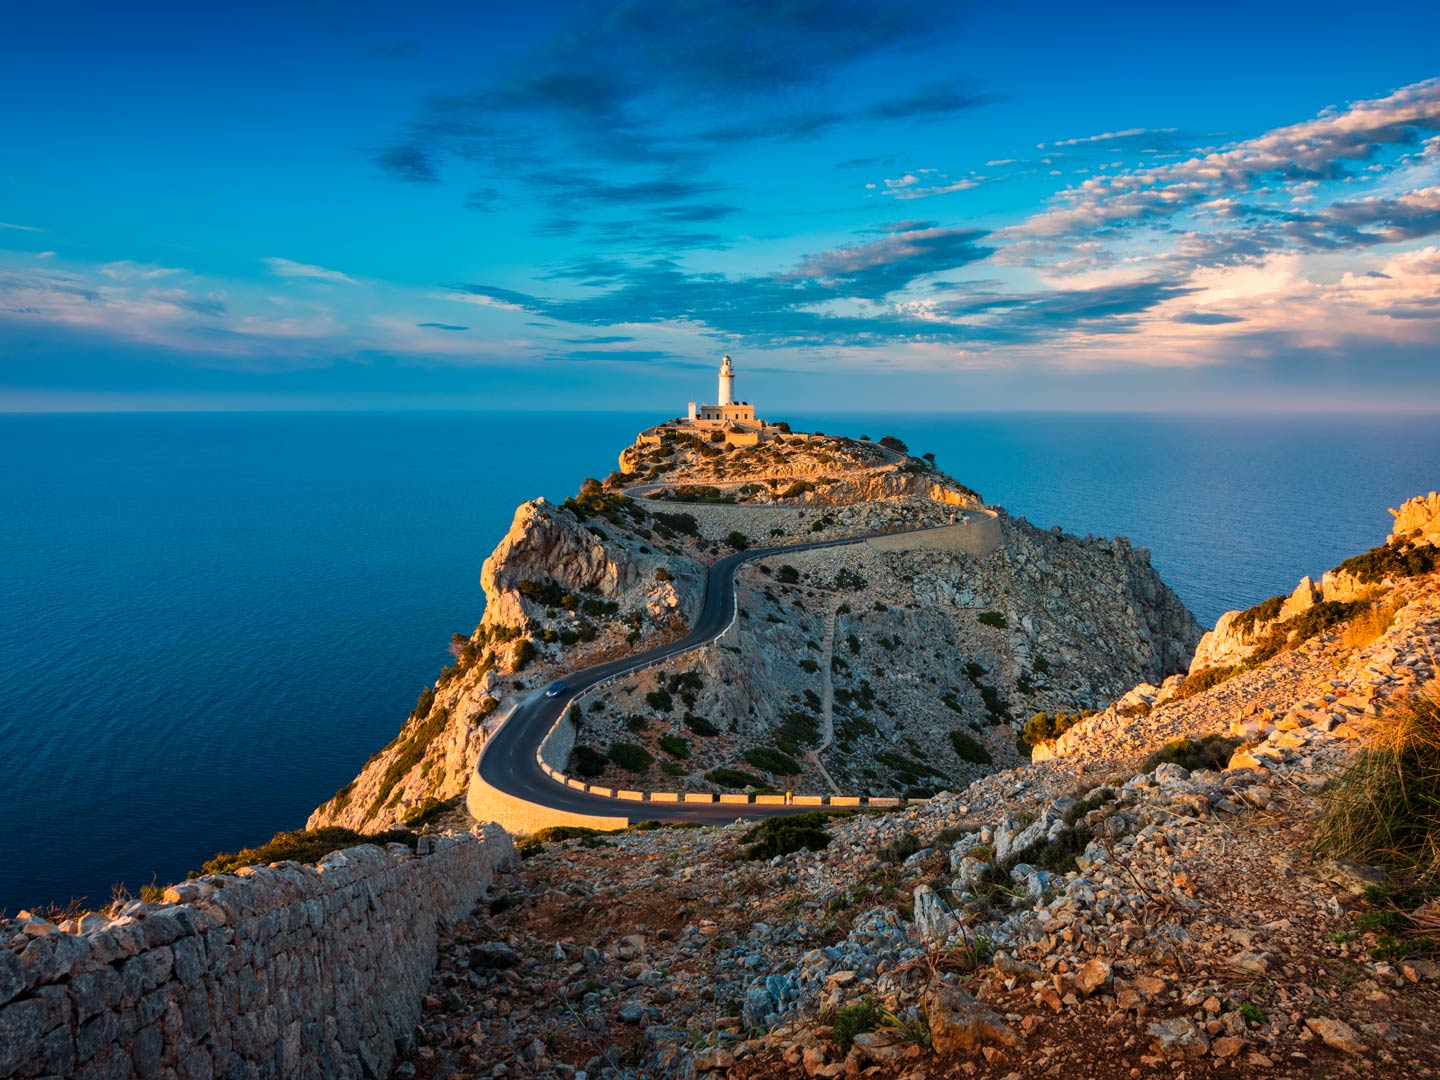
{"x":904,"y":206}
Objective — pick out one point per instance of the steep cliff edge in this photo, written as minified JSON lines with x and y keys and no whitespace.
{"x":929,"y":654}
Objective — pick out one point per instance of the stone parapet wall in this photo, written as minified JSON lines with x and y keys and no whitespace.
{"x":286,"y":970}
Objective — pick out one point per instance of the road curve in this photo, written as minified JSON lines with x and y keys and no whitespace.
{"x":507,"y":760}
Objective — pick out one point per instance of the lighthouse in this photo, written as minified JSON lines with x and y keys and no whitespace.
{"x":726,"y":412}
{"x":727,"y":382}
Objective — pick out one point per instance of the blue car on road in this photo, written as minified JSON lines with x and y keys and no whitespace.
{"x":556,"y":689}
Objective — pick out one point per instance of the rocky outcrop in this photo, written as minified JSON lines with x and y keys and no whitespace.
{"x":1418,"y":518}
{"x":1237,"y":633}
{"x":549,"y":544}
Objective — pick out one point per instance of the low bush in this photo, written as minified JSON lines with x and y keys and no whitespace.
{"x":968,"y":748}
{"x":1263,"y":612}
{"x":771,"y":760}
{"x":681,"y":523}
{"x":302,"y":846}
{"x":787,"y":575}
{"x":700,"y":726}
{"x":993,"y":618}
{"x":1396,"y":559}
{"x":632,"y":757}
{"x":855,"y":1020}
{"x":675,"y":746}
{"x":587,"y":762}
{"x":1207,"y":752}
{"x":1044,"y":726}
{"x":660,"y":700}
{"x":733,"y":778}
{"x":900,"y":849}
{"x":783,"y":835}
{"x":737,"y":540}
{"x":1386,"y":807}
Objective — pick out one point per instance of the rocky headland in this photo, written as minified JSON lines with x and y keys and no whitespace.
{"x":885,"y":668}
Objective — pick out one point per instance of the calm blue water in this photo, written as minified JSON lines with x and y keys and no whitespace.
{"x":208,"y":622}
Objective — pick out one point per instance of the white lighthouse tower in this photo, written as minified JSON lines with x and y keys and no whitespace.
{"x":727,"y":382}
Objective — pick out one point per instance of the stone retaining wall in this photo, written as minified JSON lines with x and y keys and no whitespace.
{"x":287,"y":970}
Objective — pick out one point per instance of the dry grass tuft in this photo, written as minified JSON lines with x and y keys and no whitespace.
{"x":1369,"y":625}
{"x":1386,"y":807}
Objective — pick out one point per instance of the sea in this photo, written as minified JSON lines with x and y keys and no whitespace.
{"x":208,"y":622}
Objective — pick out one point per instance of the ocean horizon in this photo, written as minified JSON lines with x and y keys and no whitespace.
{"x":211,"y":620}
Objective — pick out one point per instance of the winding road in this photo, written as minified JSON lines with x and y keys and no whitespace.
{"x":507,"y":760}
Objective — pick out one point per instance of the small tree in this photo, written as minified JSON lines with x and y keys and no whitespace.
{"x":737,"y":540}
{"x":890,"y":442}
{"x":590,"y":486}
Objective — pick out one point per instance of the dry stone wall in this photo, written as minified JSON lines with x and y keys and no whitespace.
{"x":286,"y":970}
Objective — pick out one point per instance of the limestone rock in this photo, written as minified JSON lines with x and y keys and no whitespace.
{"x":1336,"y":1034}
{"x":960,"y":1024}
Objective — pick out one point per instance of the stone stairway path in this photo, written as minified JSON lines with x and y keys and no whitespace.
{"x":827,"y":697}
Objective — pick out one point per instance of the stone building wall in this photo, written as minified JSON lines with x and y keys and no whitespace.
{"x":286,"y":970}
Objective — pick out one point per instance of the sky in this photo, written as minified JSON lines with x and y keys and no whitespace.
{"x":902,"y":206}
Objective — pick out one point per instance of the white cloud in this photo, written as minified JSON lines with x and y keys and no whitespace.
{"x":20,"y":228}
{"x":291,"y":269}
{"x":1110,"y":136}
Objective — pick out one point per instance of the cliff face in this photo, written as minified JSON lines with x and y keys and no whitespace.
{"x":1411,"y":543}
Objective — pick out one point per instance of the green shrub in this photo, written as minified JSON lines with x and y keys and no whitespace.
{"x":632,"y":757}
{"x":771,"y":760}
{"x":968,"y":748}
{"x":674,"y":768}
{"x":787,"y":575}
{"x":900,"y":849}
{"x":700,"y":726}
{"x":423,"y":704}
{"x":660,"y":700}
{"x":810,"y":666}
{"x":1398,"y":558}
{"x":1264,"y":611}
{"x":681,"y":523}
{"x":675,"y":746}
{"x":524,"y":653}
{"x":854,"y":1020}
{"x":993,"y":618}
{"x":587,"y":762}
{"x":1044,"y":726}
{"x":734,"y":778}
{"x":783,"y":835}
{"x":890,"y":442}
{"x":796,"y":730}
{"x":1207,"y":752}
{"x":737,"y":540}
{"x":302,"y":846}
{"x":427,"y":812}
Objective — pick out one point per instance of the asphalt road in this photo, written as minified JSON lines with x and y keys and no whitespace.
{"x":508,"y":760}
